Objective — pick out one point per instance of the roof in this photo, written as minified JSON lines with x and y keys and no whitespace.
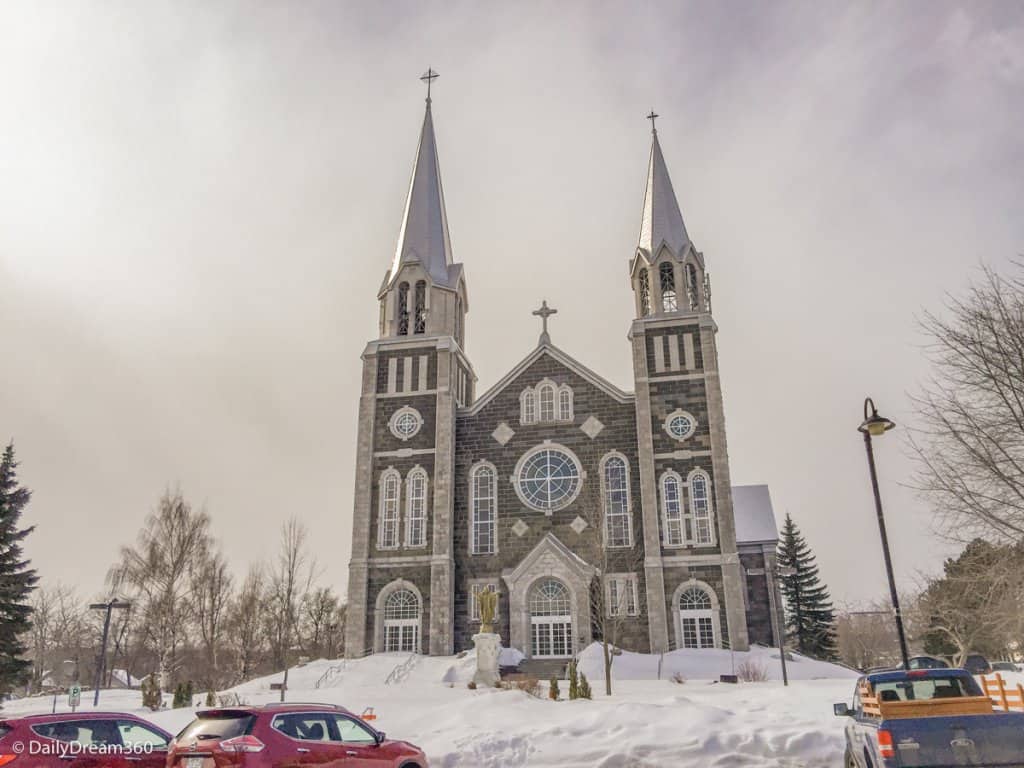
{"x":424,"y":233}
{"x":555,"y":353}
{"x":755,"y":519}
{"x":661,"y":222}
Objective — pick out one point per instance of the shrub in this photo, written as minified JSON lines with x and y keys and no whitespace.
{"x":528,"y":684}
{"x":677,"y":677}
{"x":471,"y":685}
{"x":152,"y":696}
{"x":574,"y":681}
{"x":553,"y":691}
{"x":211,"y":699}
{"x":751,"y":672}
{"x":585,"y":692}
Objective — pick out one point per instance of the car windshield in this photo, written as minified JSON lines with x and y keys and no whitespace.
{"x":216,"y":725}
{"x":926,"y":688}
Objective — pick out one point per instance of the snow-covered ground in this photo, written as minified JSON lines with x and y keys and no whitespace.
{"x":647,"y":723}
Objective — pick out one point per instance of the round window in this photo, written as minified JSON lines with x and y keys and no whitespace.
{"x":680,"y":425}
{"x":548,"y":478}
{"x":405,"y":422}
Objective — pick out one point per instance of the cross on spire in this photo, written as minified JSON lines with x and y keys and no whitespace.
{"x":652,"y":117}
{"x":544,"y":313}
{"x":429,"y":77}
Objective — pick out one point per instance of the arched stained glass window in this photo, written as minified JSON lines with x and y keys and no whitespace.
{"x":700,"y":508}
{"x":402,"y":604}
{"x":550,"y":598}
{"x":528,"y":404}
{"x":416,"y":512}
{"x":615,"y":476}
{"x":546,"y":395}
{"x":672,"y":509}
{"x":484,"y":521}
{"x":564,"y":403}
{"x":389,"y":497}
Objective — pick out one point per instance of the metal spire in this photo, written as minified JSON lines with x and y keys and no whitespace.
{"x":661,"y":221}
{"x":424,"y":233}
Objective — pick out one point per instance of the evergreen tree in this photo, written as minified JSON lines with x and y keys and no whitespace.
{"x":585,"y":692}
{"x":574,"y":685}
{"x":17,"y":579}
{"x":810,"y":620}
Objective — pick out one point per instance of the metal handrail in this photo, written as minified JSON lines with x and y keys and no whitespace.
{"x":401,"y":672}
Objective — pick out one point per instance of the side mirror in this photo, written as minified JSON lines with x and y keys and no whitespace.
{"x":380,"y":737}
{"x":841,"y":710}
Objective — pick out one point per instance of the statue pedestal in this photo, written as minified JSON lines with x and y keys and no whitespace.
{"x":488,"y":648}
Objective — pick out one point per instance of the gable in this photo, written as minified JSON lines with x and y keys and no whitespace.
{"x":559,"y":357}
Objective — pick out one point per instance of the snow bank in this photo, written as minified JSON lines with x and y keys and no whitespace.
{"x":707,"y":664}
{"x":647,"y":723}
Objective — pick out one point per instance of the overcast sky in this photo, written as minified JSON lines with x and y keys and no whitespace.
{"x":198,"y":202}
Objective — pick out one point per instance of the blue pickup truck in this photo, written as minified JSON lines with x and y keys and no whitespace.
{"x":929,"y":718}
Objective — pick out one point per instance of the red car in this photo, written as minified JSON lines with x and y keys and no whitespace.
{"x":82,"y":740}
{"x":287,"y":736}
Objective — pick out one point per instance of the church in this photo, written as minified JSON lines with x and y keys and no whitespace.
{"x":590,"y":510}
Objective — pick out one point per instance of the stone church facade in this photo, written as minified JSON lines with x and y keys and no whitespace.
{"x":589,"y":509}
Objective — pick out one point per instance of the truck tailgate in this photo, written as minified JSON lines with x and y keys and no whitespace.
{"x":963,"y":740}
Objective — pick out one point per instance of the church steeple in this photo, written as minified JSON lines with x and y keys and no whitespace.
{"x":424,"y":233}
{"x":424,"y":291}
{"x":662,"y":222}
{"x":667,"y":271}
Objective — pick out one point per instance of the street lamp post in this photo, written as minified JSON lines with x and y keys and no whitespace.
{"x":101,"y":663}
{"x":875,"y":426}
{"x":778,"y":629}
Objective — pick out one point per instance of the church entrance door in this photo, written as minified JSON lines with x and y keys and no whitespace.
{"x":402,"y":622}
{"x":550,"y":621}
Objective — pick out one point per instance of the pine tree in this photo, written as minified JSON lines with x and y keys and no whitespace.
{"x":574,"y":689}
{"x":17,"y":579}
{"x":584,"y":691}
{"x":810,"y":620}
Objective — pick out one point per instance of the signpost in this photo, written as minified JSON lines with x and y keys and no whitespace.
{"x":74,"y":696}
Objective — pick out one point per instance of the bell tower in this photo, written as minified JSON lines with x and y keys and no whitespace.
{"x":415,"y":376}
{"x":680,"y":418}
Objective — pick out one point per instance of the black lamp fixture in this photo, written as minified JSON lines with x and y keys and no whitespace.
{"x":874,"y":424}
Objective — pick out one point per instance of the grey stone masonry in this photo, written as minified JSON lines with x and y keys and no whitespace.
{"x":734,"y":609}
{"x":356,"y":640}
{"x":654,"y":578}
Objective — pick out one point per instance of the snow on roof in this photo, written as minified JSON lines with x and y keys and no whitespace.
{"x":752,"y":509}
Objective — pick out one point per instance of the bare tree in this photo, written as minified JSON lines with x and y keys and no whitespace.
{"x":615,"y":593}
{"x":866,"y":635}
{"x":170,"y":544}
{"x":246,"y":623}
{"x":211,"y":587}
{"x":57,"y":632}
{"x":290,"y":580}
{"x":319,"y":622}
{"x":969,"y":441}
